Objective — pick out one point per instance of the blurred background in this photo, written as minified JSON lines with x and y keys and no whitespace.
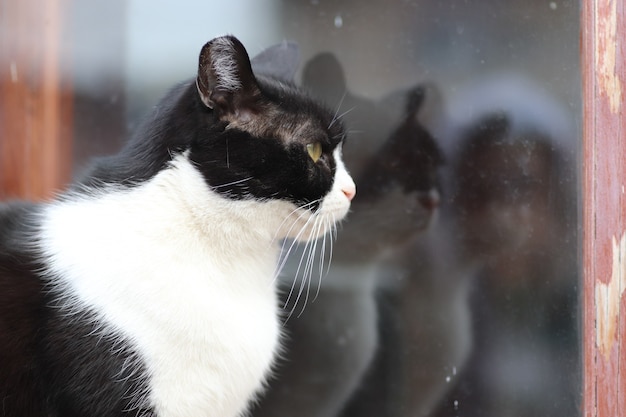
{"x":458,"y":296}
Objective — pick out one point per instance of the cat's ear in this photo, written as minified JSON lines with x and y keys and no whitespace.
{"x":425,"y":105}
{"x":279,"y":61}
{"x":325,"y":77}
{"x":414,"y":100}
{"x":225,"y":81}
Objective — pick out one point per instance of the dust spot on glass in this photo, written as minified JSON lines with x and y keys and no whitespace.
{"x":553,"y":5}
{"x":338,"y":21}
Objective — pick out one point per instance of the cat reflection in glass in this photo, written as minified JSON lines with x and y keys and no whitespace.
{"x":334,"y":331}
{"x":148,"y":288}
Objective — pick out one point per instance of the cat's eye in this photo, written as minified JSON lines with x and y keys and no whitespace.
{"x":314,"y":150}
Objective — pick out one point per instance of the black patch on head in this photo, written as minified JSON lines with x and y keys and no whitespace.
{"x":264,"y":166}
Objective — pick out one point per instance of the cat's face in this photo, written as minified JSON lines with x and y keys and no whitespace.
{"x":270,"y":143}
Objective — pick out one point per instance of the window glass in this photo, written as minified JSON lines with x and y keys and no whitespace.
{"x":454,"y":283}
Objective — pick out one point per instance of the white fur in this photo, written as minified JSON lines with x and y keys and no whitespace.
{"x":187,"y":276}
{"x":224,"y":64}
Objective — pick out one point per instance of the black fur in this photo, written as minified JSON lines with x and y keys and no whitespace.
{"x":278,"y":168}
{"x":21,"y":315}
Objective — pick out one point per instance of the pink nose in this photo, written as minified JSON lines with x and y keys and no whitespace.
{"x":349,"y":192}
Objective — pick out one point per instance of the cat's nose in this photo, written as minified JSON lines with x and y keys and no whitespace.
{"x":349,"y":191}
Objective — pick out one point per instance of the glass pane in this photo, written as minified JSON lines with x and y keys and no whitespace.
{"x":454,"y":282}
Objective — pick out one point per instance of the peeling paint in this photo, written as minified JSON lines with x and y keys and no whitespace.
{"x":13,"y":70}
{"x":606,"y":53}
{"x":608,"y":298}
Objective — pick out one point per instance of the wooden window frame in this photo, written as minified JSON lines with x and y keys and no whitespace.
{"x":35,"y":160}
{"x":603,"y":54}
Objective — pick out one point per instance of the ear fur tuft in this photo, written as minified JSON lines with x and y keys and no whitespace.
{"x":223,"y":64}
{"x":224,"y":73}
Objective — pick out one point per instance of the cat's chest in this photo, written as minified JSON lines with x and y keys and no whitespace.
{"x":202,"y":317}
{"x":210,"y":356}
{"x":206,"y":332}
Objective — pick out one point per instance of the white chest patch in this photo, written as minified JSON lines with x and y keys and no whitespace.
{"x":192,"y":291}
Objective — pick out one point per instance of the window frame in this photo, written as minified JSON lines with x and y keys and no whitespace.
{"x":603,"y":37}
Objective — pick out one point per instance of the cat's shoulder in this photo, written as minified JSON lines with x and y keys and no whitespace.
{"x":18,"y":225}
{"x":15,"y":218}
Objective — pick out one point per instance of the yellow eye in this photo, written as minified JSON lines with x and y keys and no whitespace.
{"x":314,"y":150}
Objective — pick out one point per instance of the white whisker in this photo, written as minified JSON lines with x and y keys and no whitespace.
{"x":332,"y":122}
{"x":294,"y":240}
{"x":345,"y":112}
{"x":284,"y":256}
{"x":316,"y":227}
{"x":295,"y":276}
{"x":233,"y":183}
{"x":290,"y":214}
{"x":299,"y":265}
{"x":355,"y":132}
{"x":309,"y":252}
{"x":310,"y":263}
{"x":333,"y":233}
{"x":322,"y":257}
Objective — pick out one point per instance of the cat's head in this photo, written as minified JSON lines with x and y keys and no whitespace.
{"x":253,"y":138}
{"x":271,"y":142}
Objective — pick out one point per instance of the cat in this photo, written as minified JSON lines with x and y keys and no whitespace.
{"x":422,"y":283}
{"x":148,"y":287}
{"x":333,"y":330}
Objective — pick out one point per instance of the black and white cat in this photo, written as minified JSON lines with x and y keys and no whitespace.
{"x":148,"y":288}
